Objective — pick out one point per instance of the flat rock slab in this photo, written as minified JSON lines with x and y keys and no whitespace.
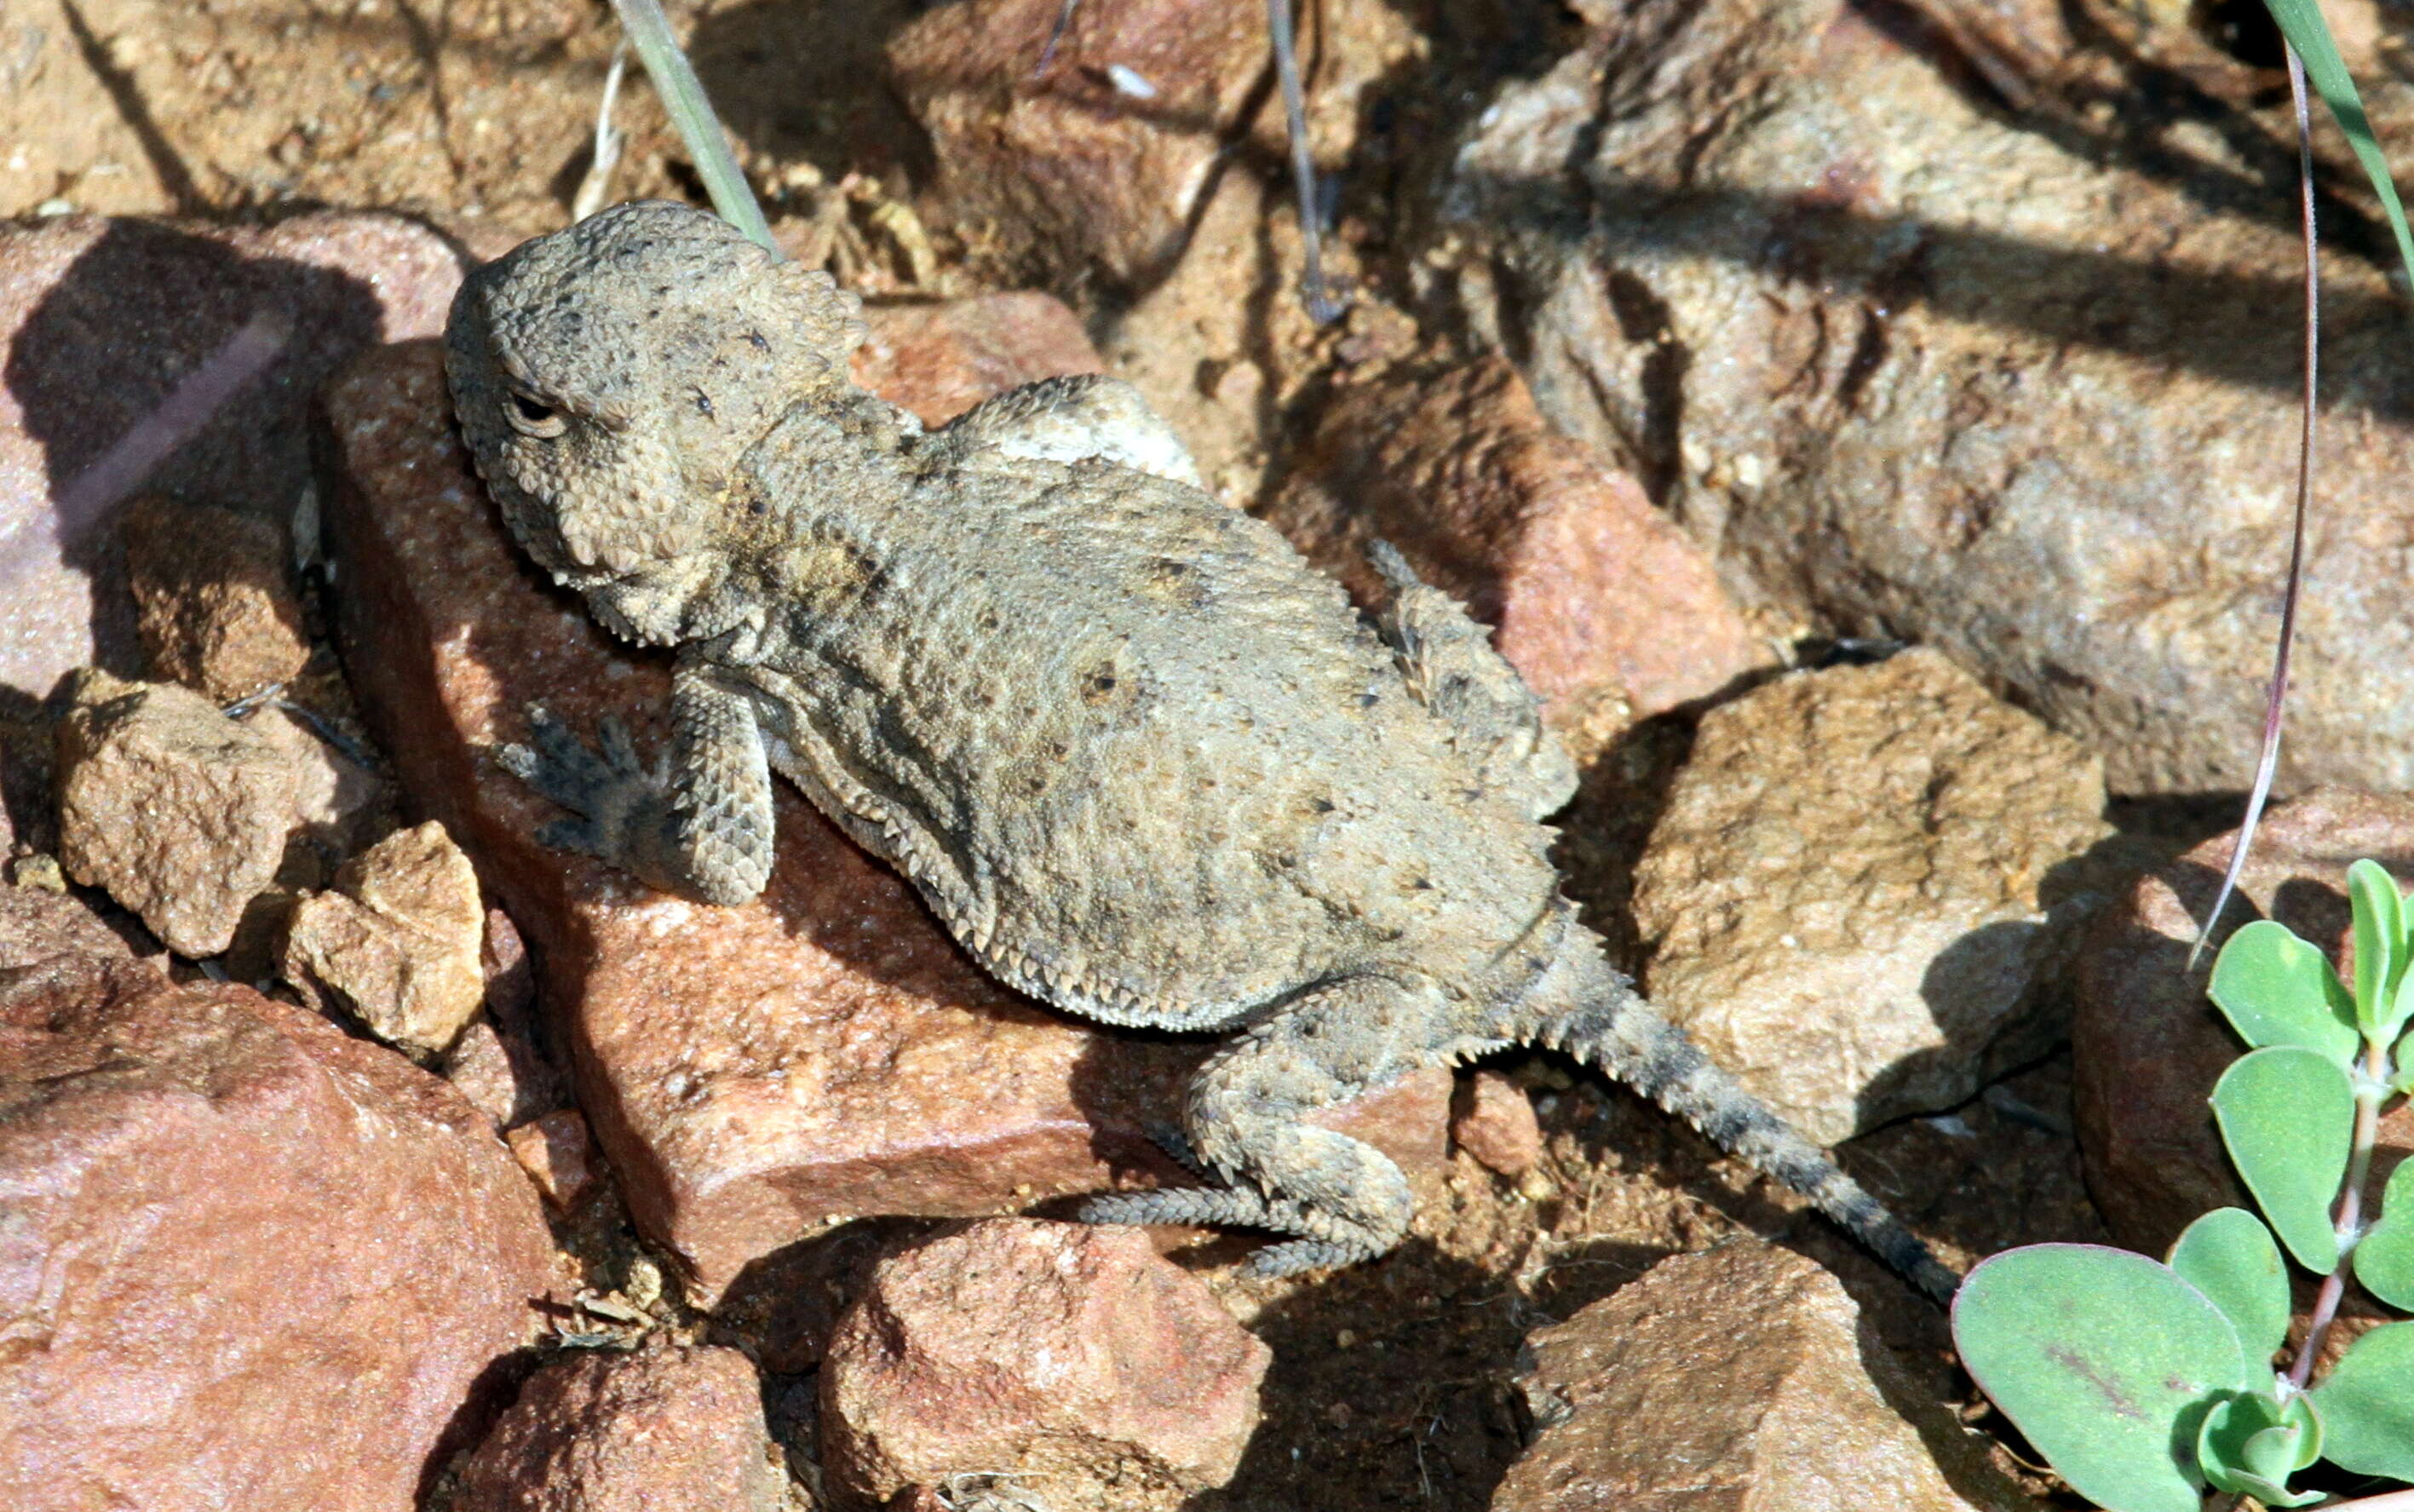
{"x":1740,"y":1379}
{"x":101,"y":319}
{"x":754,"y":1072}
{"x":2148,"y":1044}
{"x":244,"y":1259}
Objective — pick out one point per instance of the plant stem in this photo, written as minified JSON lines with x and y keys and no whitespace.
{"x":2347,"y":1220}
{"x":2386,"y":1502}
{"x":649,"y":31}
{"x":2276,"y":700}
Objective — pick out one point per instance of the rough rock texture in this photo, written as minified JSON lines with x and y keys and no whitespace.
{"x":2147,"y":1044}
{"x":941,"y":359}
{"x":1493,"y":1119}
{"x":213,"y":602}
{"x":557,"y":1154}
{"x":498,"y":1062}
{"x":1105,"y":158}
{"x":396,"y":944}
{"x":1740,"y":1379}
{"x":1918,"y":366}
{"x":664,"y":1429}
{"x":101,"y":319}
{"x":57,"y":956}
{"x":180,"y":813}
{"x":246,"y":1260}
{"x":825,"y":1051}
{"x":1586,"y":585}
{"x":1862,"y":888}
{"x":1077,"y":1355}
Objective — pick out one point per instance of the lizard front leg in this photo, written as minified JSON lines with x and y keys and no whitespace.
{"x":704,"y":829}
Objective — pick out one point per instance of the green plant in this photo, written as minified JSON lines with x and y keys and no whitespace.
{"x":2143,"y":1384}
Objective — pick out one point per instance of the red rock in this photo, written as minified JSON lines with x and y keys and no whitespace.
{"x":180,"y":813}
{"x":557,"y":1155}
{"x":56,"y":954}
{"x":1077,"y":1355}
{"x":940,"y":360}
{"x":2147,"y":1044}
{"x":101,"y":319}
{"x":248,"y":1261}
{"x":214,"y":603}
{"x":1739,"y":1378}
{"x":664,"y":1429}
{"x":1588,"y":586}
{"x":396,"y":944}
{"x":1103,"y":157}
{"x":1493,"y":1120}
{"x":823,"y":1052}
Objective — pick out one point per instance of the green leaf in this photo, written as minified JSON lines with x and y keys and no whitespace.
{"x":2107,"y":1361}
{"x":2228,"y":1255}
{"x":2287,"y":1115}
{"x":2301,"y":23}
{"x":2277,"y":989}
{"x":2367,"y":1404}
{"x":2384,"y":1260}
{"x":2380,"y":943}
{"x":2250,"y":1444}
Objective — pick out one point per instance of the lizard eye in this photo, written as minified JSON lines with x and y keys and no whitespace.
{"x":531,"y":419}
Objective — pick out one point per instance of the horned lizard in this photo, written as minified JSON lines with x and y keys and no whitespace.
{"x":1142,"y":761}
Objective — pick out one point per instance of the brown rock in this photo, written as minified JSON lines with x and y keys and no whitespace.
{"x":1915,"y":364}
{"x":1740,"y":1379}
{"x":180,"y":813}
{"x":752,"y":1071}
{"x":1103,"y":159}
{"x":396,"y":945}
{"x":939,"y":360}
{"x":56,"y":955}
{"x":1492,"y":1119}
{"x":101,"y":319}
{"x":557,"y":1155}
{"x":2147,"y":1044}
{"x":666,"y":1429}
{"x":249,"y":1262}
{"x":213,"y":599}
{"x":1586,"y":585}
{"x":1077,"y":1355}
{"x":1862,"y":889}
{"x":497,"y":1062}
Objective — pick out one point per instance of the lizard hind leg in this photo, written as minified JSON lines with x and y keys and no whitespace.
{"x":1585,"y":1007}
{"x":1245,"y":1123}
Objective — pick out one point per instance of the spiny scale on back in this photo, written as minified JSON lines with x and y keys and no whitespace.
{"x":1141,"y":758}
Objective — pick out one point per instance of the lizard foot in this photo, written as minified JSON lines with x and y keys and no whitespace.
{"x":604,"y":789}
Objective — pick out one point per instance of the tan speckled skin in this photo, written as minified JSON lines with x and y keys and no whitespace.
{"x":1140,"y":757}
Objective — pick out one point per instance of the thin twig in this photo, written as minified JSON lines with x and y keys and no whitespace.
{"x":683,"y":98}
{"x":2275,"y":701}
{"x":608,"y":140}
{"x":1322,"y":307}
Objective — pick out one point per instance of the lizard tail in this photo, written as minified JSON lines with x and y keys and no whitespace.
{"x":1605,"y":1021}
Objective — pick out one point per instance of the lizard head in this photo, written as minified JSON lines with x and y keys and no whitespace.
{"x":608,"y":378}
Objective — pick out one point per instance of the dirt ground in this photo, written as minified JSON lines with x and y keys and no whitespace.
{"x":478,"y":114}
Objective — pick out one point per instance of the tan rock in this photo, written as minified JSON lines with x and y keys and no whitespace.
{"x":1912,"y":364}
{"x":824,"y":1051}
{"x":214,"y":600}
{"x":1075,"y":1356}
{"x":557,"y":1155}
{"x":250,"y":1261}
{"x":2147,"y":1044}
{"x":1103,"y":157}
{"x":1740,"y":1379}
{"x":1861,"y":891}
{"x":102,"y":318}
{"x":939,"y":360}
{"x":1492,"y":1119}
{"x":1586,"y":584}
{"x":396,"y":944}
{"x":180,"y":813}
{"x":667,"y":1428}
